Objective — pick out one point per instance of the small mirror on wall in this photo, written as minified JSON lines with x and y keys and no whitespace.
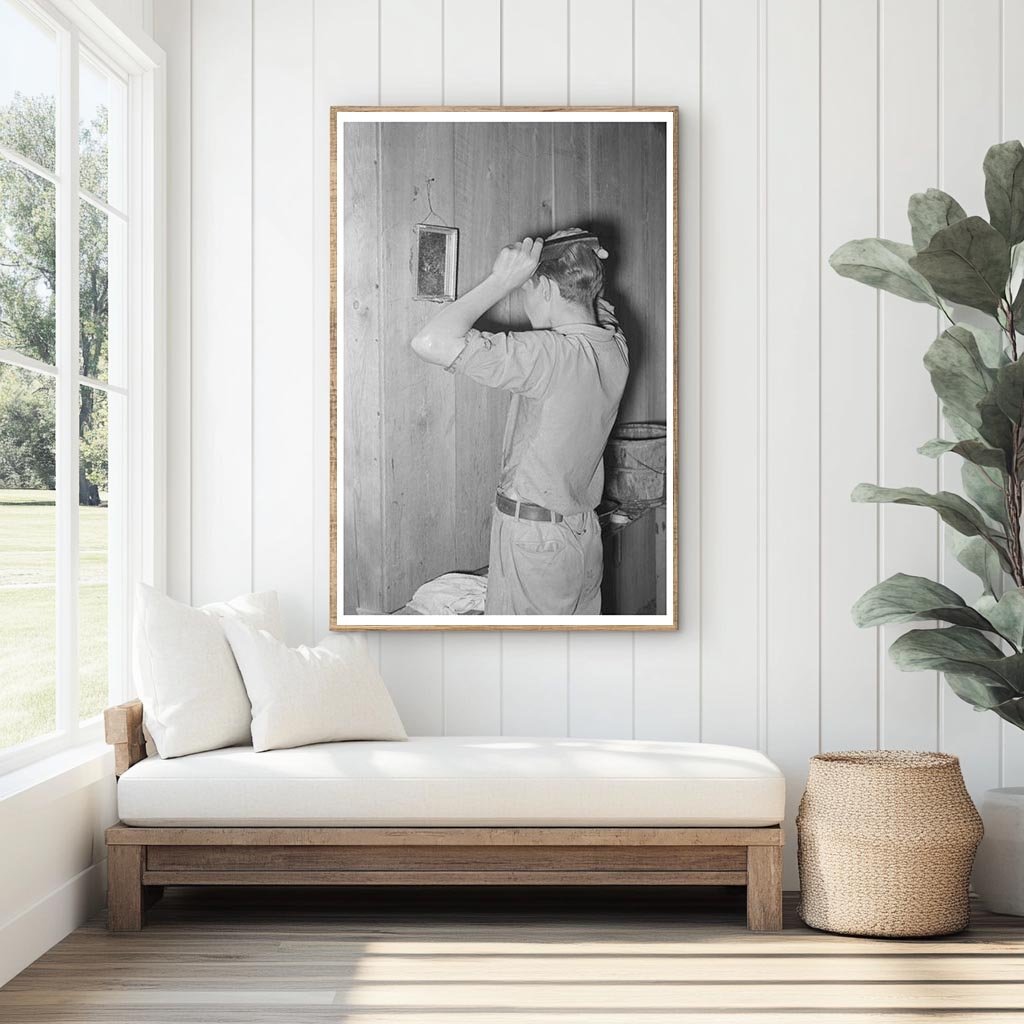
{"x":437,"y":257}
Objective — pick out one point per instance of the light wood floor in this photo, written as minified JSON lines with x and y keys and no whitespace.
{"x":269,"y":956}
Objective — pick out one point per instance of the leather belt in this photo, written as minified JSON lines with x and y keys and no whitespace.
{"x":525,"y":510}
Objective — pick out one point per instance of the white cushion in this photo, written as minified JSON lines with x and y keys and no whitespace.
{"x":456,"y":780}
{"x":192,"y":693}
{"x":309,"y":694}
{"x":345,"y":643}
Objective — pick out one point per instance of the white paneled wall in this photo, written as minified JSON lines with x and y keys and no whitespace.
{"x":804,"y":123}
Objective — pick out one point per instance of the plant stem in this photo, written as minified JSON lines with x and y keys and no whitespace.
{"x":1012,"y":495}
{"x":1013,"y":511}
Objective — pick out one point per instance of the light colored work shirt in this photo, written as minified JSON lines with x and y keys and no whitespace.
{"x":566,"y":384}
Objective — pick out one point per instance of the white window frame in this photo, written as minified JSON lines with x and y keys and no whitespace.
{"x":140,"y":64}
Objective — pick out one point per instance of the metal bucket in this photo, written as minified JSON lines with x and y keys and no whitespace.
{"x":634,"y":464}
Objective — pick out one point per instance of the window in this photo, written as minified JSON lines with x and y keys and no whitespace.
{"x":76,"y":337}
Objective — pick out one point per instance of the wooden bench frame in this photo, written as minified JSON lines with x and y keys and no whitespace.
{"x":142,"y":860}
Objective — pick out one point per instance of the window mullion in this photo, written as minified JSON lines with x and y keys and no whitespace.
{"x":67,"y":386}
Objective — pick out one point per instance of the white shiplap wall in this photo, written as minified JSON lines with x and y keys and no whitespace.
{"x":804,"y":123}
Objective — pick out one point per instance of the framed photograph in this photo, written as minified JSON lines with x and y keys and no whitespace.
{"x":504,"y":392}
{"x":437,"y":254}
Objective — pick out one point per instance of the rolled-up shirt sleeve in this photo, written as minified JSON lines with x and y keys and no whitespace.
{"x":522,"y":362}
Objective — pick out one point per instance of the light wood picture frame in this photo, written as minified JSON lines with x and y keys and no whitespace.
{"x":415,"y":452}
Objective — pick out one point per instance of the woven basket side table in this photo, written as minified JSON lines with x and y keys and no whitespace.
{"x":886,"y":841}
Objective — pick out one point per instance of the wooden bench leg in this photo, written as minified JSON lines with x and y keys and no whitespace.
{"x":764,"y":888}
{"x":125,"y":896}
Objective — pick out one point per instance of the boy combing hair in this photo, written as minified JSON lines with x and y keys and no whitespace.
{"x":566,"y":376}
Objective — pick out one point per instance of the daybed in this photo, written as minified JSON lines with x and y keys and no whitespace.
{"x":444,"y":811}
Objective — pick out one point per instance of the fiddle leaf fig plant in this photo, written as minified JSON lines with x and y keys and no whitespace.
{"x":977,"y":373}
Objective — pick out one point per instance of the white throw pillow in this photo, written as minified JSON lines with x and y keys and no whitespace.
{"x":309,"y":694}
{"x":348,"y":645}
{"x":192,"y":693}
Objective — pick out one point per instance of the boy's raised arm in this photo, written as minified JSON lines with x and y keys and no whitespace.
{"x":443,"y":337}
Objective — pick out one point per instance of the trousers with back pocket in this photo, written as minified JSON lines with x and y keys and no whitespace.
{"x":544,"y":568}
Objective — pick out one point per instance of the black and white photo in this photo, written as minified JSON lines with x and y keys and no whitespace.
{"x":503,"y":368}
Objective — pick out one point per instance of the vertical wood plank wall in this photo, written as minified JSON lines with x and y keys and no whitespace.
{"x":804,"y":123}
{"x":423,"y":448}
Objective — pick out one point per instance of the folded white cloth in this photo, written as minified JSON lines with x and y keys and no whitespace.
{"x":454,"y":593}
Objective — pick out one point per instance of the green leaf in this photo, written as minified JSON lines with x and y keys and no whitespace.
{"x":952,"y":509}
{"x":943,"y":650}
{"x":903,"y":598}
{"x":962,"y":430}
{"x":967,"y":263}
{"x":982,"y":693}
{"x":963,"y":652}
{"x":976,"y":555}
{"x":932,"y":211}
{"x":1006,"y":614}
{"x":1009,"y":390}
{"x":973,"y":451}
{"x":1004,"y":189}
{"x":1015,"y":287}
{"x":985,"y":487}
{"x":958,"y":372}
{"x":1011,"y":711}
{"x":990,"y":345}
{"x":1017,"y":307}
{"x":883,"y":264}
{"x":995,"y":427}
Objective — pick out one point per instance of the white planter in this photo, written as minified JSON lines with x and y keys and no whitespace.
{"x":999,"y":867}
